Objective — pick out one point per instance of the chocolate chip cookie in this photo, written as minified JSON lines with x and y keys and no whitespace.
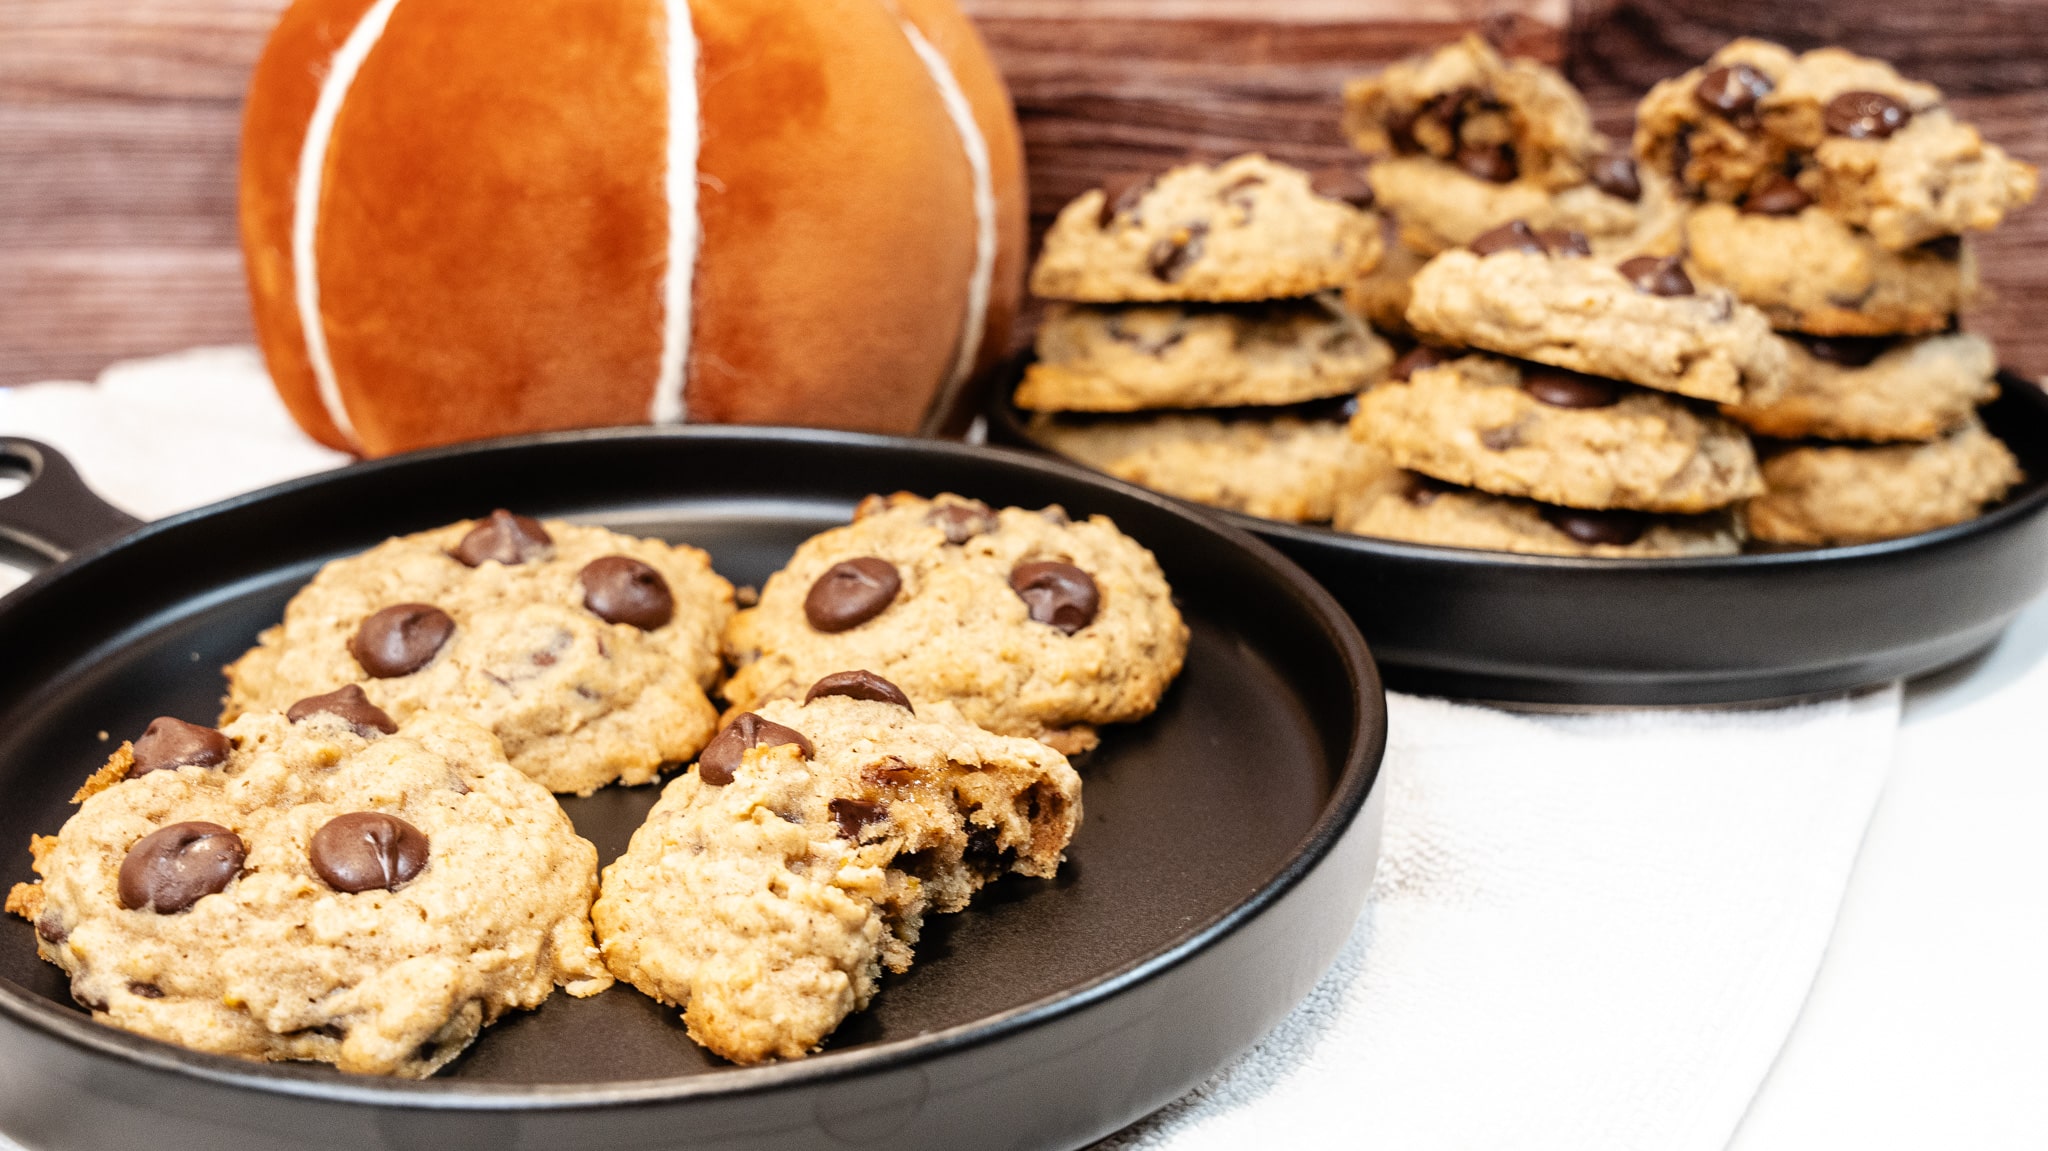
{"x":1809,"y":272}
{"x":1418,"y":509}
{"x":1498,"y":120}
{"x":1287,"y":466}
{"x":1438,"y":206}
{"x":1532,"y":297}
{"x":586,"y":652}
{"x":1121,"y":359}
{"x":1758,"y":126}
{"x":1247,"y":229}
{"x":1516,"y":429}
{"x":330,"y":885}
{"x":771,"y":886}
{"x":1843,"y":494}
{"x":1034,"y":624}
{"x":1880,"y":390}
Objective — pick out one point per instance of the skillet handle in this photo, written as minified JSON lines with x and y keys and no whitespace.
{"x":55,"y":514}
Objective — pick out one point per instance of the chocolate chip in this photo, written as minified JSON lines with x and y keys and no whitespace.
{"x":855,"y":814}
{"x":1615,"y":174}
{"x":962,"y":521}
{"x":1943,"y":247}
{"x":1848,"y":351}
{"x":1732,"y":90}
{"x":983,"y":854}
{"x":851,"y":593}
{"x":1564,"y":242}
{"x":50,"y":930}
{"x":1500,"y":439}
{"x":1778,"y":197}
{"x":1681,"y":155}
{"x":1171,"y":257}
{"x":86,"y":1000}
{"x":506,"y":538}
{"x":401,"y":639}
{"x":1657,"y":275}
{"x":368,"y":851}
{"x":173,"y":867}
{"x":169,"y":743}
{"x":1563,"y":389}
{"x":1057,"y":593}
{"x":1865,"y":115}
{"x":1417,"y":358}
{"x":1616,"y":528}
{"x":350,"y":705}
{"x":1121,"y":193}
{"x":1513,"y":236}
{"x":721,"y":757}
{"x":1342,"y":182}
{"x":892,"y":769}
{"x":621,"y":589}
{"x":859,"y":685}
{"x":1494,"y":163}
{"x":145,"y":990}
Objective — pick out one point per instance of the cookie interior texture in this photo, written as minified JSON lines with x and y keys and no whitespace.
{"x":767,"y":907}
{"x":280,"y":965}
{"x":577,"y":700}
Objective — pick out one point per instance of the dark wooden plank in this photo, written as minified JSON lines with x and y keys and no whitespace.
{"x":70,"y":312}
{"x":110,"y":173}
{"x":131,"y":49}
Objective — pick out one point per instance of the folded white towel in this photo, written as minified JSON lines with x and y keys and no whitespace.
{"x":1586,"y":932}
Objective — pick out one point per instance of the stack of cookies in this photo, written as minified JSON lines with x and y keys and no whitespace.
{"x":1588,"y":430}
{"x":1832,"y":193}
{"x":1198,"y":345}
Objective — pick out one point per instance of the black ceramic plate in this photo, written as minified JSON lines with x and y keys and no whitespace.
{"x":1220,"y":865}
{"x":1760,"y":626}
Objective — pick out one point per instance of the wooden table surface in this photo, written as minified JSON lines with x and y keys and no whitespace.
{"x":118,"y":124}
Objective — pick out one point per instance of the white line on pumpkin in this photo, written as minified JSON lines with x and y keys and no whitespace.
{"x":684,"y":226}
{"x":306,"y":206}
{"x":975,"y":323}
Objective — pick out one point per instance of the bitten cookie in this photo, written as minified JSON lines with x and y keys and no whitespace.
{"x":1759,"y":126}
{"x":1463,"y":104}
{"x":1034,"y":624}
{"x":1811,"y":273}
{"x":1558,"y":437}
{"x":1280,"y":466}
{"x":586,"y":652}
{"x":1244,"y":230}
{"x":1878,"y":390}
{"x":1840,"y":495}
{"x":771,"y":885}
{"x":1417,"y":509}
{"x":1107,"y":359}
{"x":1643,"y":322}
{"x":332,"y":886}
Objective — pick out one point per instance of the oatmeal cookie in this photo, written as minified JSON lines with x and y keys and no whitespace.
{"x":1284,"y":466}
{"x":1245,"y":230}
{"x":1463,"y":104}
{"x":1034,"y":624}
{"x":1437,"y":206}
{"x":771,"y":885}
{"x":1880,"y":390}
{"x":1842,"y":495}
{"x":1380,"y":296}
{"x":1759,"y":126}
{"x":586,"y":652}
{"x":1123,"y":359}
{"x":334,"y":887}
{"x":1417,"y":509}
{"x":1647,"y":327}
{"x":1559,"y":437}
{"x":1809,"y":272}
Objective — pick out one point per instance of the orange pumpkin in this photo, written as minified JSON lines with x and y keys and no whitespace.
{"x":463,"y":220}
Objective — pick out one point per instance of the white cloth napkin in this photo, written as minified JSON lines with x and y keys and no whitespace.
{"x":1586,"y":932}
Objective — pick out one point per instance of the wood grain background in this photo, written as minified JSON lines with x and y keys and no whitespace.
{"x":118,"y":124}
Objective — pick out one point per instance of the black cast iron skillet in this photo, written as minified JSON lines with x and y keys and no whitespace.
{"x":1220,"y":865}
{"x":1725,"y":629}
